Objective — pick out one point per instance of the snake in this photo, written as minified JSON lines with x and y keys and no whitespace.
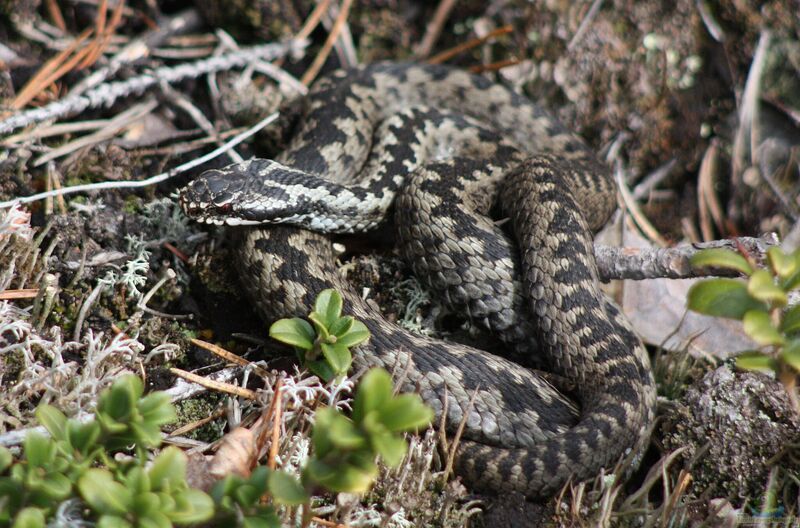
{"x":494,"y":203}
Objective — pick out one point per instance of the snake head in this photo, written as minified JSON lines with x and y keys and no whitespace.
{"x":248,"y":193}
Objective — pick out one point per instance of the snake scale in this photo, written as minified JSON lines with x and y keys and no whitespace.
{"x":441,"y":149}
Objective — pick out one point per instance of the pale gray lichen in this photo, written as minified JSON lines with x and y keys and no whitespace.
{"x":744,"y":420}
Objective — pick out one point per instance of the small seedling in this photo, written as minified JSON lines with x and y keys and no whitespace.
{"x":323,"y":346}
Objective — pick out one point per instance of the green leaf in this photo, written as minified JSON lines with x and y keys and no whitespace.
{"x":138,"y":481}
{"x":295,"y":331}
{"x":761,"y":286}
{"x":53,"y":420}
{"x":285,"y":489}
{"x":793,"y":282}
{"x":756,"y":360}
{"x":119,"y":401}
{"x":791,"y":320}
{"x":168,"y":470}
{"x":56,"y":486}
{"x":405,"y":413}
{"x":319,"y":325}
{"x":357,"y":334}
{"x":782,"y":264}
{"x":722,"y":298}
{"x":322,"y":369}
{"x":338,"y":356}
{"x":790,"y":354}
{"x":391,"y":447}
{"x":39,"y":450}
{"x":157,"y":409}
{"x":113,"y":521}
{"x":332,"y":427}
{"x":759,"y":327}
{"x":82,"y":436}
{"x":29,"y":518}
{"x":374,"y":390}
{"x":341,"y":478}
{"x":103,"y":494}
{"x":144,"y":501}
{"x":329,"y":306}
{"x":246,"y":495}
{"x":259,"y":477}
{"x":342,"y":325}
{"x":192,"y":506}
{"x":146,"y":434}
{"x":6,"y":458}
{"x":155,"y":519}
{"x":721,"y":258}
{"x":265,"y":519}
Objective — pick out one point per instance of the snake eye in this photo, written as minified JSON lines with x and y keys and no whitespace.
{"x":222,"y":200}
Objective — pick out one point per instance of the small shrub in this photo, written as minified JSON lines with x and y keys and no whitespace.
{"x":761,"y":304}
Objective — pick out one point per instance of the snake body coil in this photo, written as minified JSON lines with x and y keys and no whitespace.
{"x":442,"y":147}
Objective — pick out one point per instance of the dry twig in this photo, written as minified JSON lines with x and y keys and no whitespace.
{"x":319,"y":60}
{"x":105,"y":95}
{"x":461,"y":48}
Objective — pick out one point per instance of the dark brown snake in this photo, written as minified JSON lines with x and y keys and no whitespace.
{"x":441,"y":148}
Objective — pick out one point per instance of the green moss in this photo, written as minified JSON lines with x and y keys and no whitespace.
{"x":195,"y":409}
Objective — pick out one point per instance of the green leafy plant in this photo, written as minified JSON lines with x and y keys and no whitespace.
{"x":760,"y":303}
{"x":77,"y":460}
{"x":122,"y":492}
{"x":241,"y":498}
{"x":345,"y":449}
{"x":323,"y":346}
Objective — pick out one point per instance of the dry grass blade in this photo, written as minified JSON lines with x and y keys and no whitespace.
{"x":684,"y":479}
{"x":47,"y":74}
{"x":215,"y":385}
{"x":468,"y":45}
{"x":313,"y":19}
{"x":114,"y":126}
{"x":494,"y":66}
{"x":451,"y":455}
{"x":434,"y":28}
{"x":100,"y":20}
{"x":103,"y":32}
{"x":55,"y":15}
{"x":709,"y":206}
{"x":743,"y":147}
{"x":191,"y":426}
{"x":636,"y":213}
{"x":329,"y":524}
{"x":653,"y":476}
{"x":319,"y":60}
{"x":276,"y":424}
{"x":585,"y":23}
{"x":229,"y":356}
{"x":22,"y":293}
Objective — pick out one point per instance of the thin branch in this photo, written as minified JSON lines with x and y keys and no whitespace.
{"x":106,"y":94}
{"x":452,"y":52}
{"x":149,"y":181}
{"x":111,"y":129}
{"x":615,"y":263}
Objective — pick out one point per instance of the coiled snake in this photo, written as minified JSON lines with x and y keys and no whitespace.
{"x":441,"y":147}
